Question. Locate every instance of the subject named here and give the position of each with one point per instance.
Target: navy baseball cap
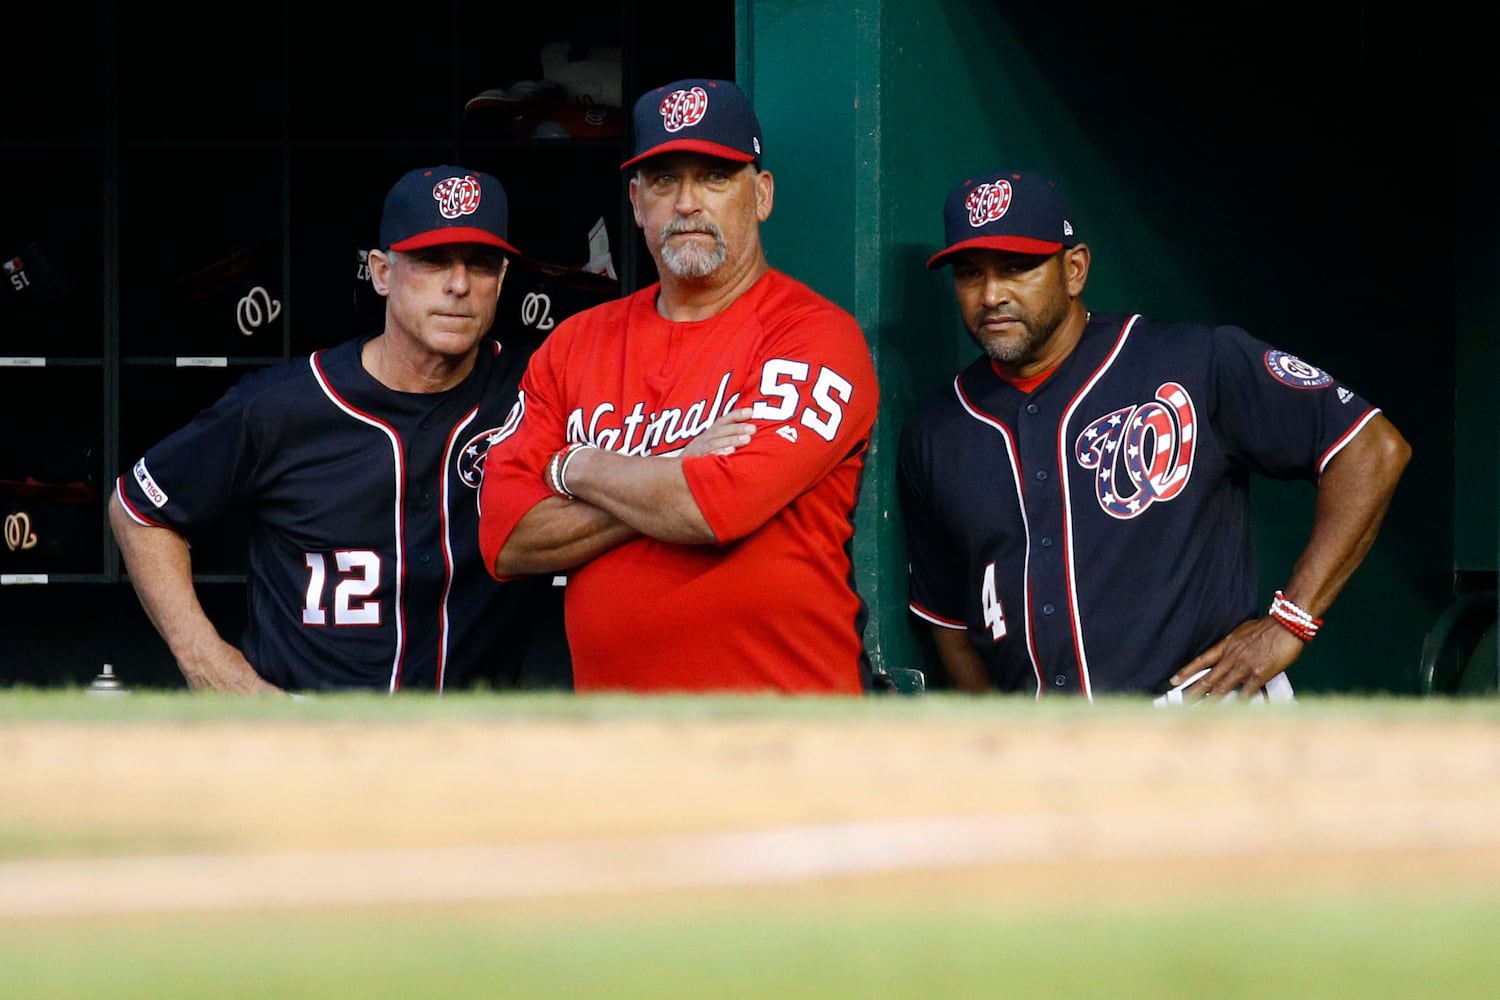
(1006, 210)
(713, 117)
(430, 206)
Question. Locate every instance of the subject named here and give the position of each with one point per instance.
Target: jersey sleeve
(814, 397)
(934, 559)
(1283, 416)
(194, 476)
(535, 428)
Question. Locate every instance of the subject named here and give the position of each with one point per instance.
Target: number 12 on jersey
(360, 576)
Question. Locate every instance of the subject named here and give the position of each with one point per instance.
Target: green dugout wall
(1285, 172)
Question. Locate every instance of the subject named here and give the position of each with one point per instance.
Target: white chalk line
(97, 886)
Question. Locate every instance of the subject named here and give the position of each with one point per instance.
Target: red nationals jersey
(772, 605)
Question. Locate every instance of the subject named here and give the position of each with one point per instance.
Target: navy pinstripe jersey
(1094, 535)
(363, 553)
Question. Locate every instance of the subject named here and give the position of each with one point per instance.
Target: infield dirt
(103, 817)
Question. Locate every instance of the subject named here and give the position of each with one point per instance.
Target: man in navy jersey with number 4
(1076, 502)
(360, 469)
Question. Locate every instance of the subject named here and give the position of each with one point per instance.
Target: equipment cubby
(183, 221)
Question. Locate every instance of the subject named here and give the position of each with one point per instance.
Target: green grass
(53, 705)
(1356, 948)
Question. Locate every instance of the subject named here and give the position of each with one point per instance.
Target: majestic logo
(18, 534)
(683, 109)
(456, 196)
(988, 202)
(1288, 369)
(154, 493)
(1152, 443)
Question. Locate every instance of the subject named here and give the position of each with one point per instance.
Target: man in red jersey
(691, 455)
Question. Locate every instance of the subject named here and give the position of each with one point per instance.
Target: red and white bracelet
(557, 468)
(1295, 620)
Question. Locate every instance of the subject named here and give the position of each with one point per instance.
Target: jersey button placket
(1037, 443)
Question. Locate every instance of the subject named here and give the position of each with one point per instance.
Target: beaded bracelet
(557, 466)
(1294, 619)
(562, 466)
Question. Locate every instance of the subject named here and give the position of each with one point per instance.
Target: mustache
(679, 226)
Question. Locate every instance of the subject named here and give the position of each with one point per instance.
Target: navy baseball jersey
(363, 552)
(1094, 535)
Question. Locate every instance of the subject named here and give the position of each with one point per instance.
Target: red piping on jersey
(1338, 445)
(444, 481)
(1015, 468)
(399, 661)
(1062, 469)
(130, 508)
(935, 619)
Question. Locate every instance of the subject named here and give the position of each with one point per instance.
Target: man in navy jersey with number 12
(1077, 501)
(359, 468)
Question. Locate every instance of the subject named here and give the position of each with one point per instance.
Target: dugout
(1316, 177)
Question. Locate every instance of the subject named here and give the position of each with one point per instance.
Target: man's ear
(379, 262)
(1076, 268)
(635, 201)
(765, 194)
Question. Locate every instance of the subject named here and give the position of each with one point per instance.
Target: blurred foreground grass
(820, 948)
(21, 705)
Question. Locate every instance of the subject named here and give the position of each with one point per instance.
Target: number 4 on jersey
(994, 614)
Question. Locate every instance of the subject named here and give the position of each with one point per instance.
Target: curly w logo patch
(1140, 454)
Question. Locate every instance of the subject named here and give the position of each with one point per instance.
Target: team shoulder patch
(153, 492)
(1290, 370)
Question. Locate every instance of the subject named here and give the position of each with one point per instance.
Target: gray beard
(691, 261)
(1040, 329)
(1014, 352)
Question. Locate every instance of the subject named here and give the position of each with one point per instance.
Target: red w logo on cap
(682, 108)
(456, 196)
(987, 202)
